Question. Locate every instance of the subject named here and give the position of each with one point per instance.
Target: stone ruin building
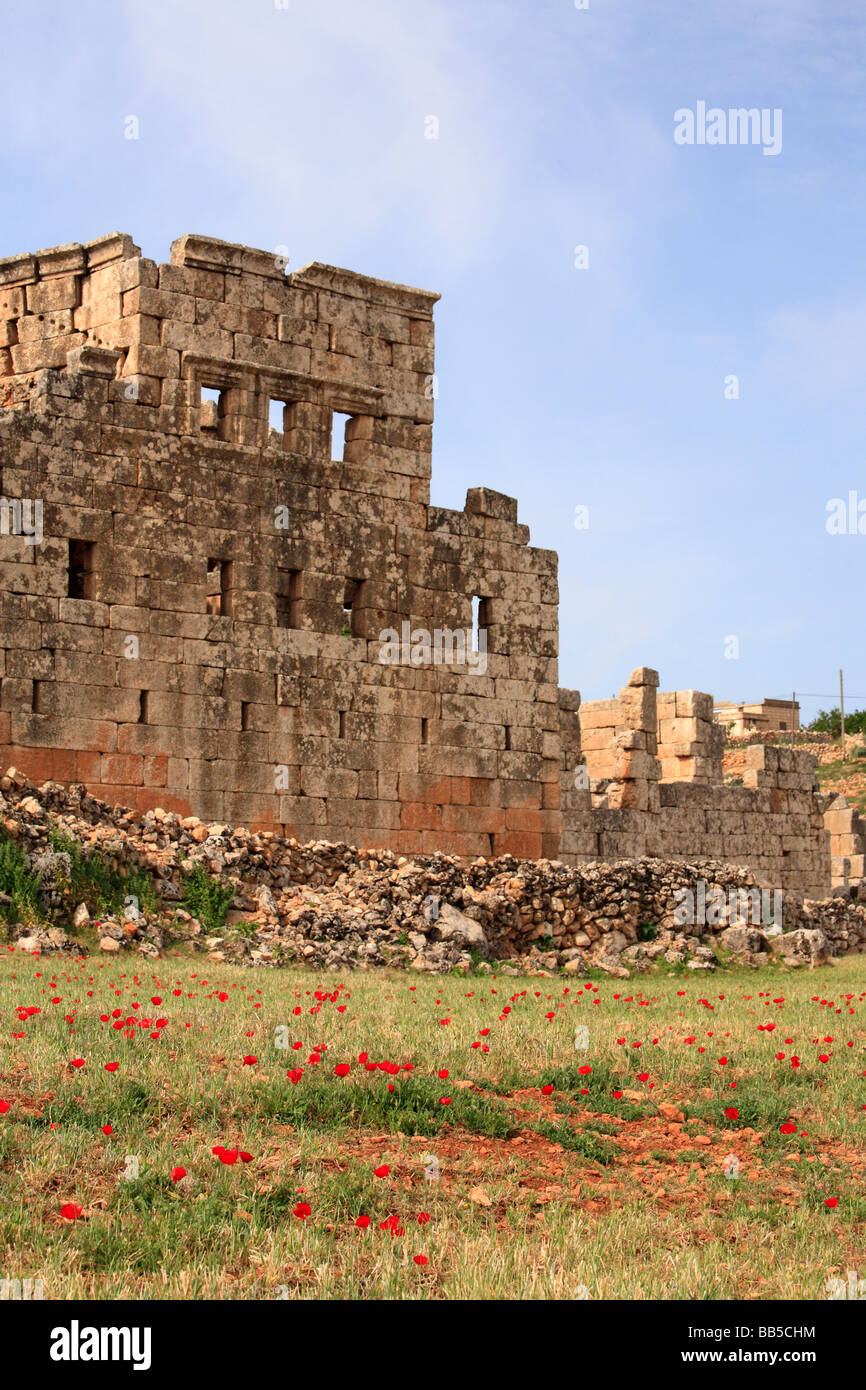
(192, 601)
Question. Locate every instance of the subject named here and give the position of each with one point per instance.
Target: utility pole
(842, 711)
(793, 715)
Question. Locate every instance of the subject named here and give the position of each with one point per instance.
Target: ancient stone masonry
(224, 591)
(200, 626)
(333, 906)
(615, 802)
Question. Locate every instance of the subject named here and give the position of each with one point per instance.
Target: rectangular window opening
(211, 400)
(288, 597)
(480, 622)
(342, 732)
(508, 738)
(219, 588)
(82, 556)
(245, 716)
(425, 730)
(36, 703)
(351, 604)
(338, 436)
(277, 422)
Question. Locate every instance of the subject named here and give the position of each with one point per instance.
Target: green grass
(536, 1193)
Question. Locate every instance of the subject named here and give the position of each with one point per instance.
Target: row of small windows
(220, 586)
(214, 410)
(219, 600)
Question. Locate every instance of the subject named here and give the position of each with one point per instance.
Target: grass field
(602, 1139)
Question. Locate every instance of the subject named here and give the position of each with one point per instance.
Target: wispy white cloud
(320, 109)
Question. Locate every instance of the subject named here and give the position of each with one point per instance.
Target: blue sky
(601, 387)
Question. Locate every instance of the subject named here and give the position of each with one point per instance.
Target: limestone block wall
(773, 824)
(200, 625)
(847, 832)
(690, 744)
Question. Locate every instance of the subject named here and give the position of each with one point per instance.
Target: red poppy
(831, 1201)
(342, 1069)
(106, 1129)
(382, 1171)
(302, 1210)
(4, 1106)
(177, 1174)
(251, 1061)
(362, 1222)
(111, 1066)
(547, 1090)
(420, 1259)
(71, 1212)
(731, 1113)
(77, 1062)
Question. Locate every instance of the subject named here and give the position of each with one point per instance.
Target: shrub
(206, 898)
(98, 884)
(20, 883)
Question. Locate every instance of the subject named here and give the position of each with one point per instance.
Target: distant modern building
(765, 717)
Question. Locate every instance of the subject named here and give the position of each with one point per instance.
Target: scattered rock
(335, 907)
